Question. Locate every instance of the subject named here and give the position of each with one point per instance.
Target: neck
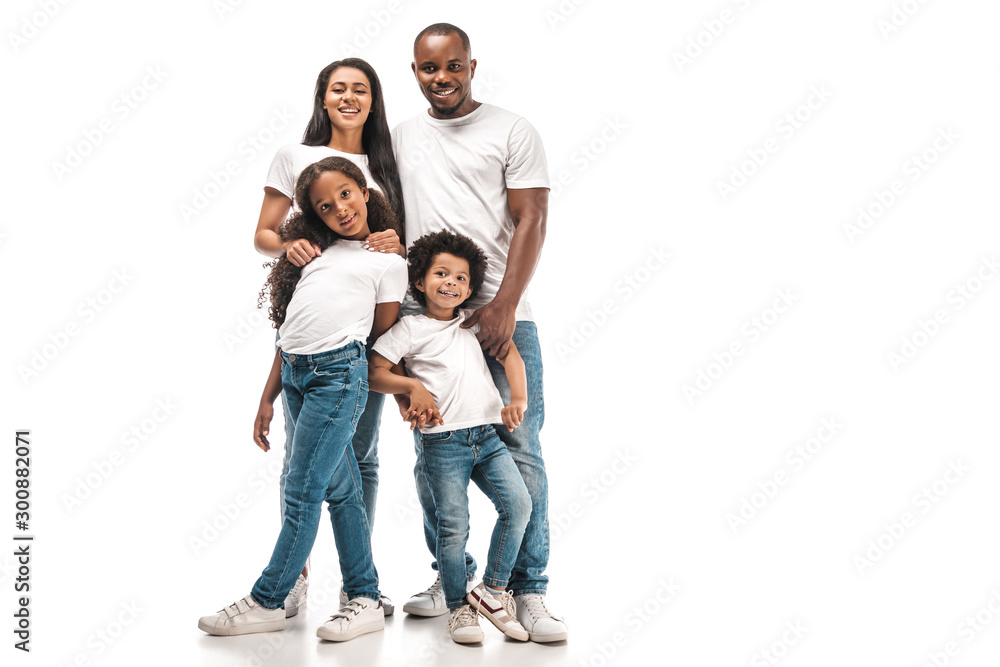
(442, 314)
(346, 141)
(468, 107)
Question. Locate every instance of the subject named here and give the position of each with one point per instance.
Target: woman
(348, 120)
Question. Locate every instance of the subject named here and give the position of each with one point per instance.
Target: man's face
(444, 72)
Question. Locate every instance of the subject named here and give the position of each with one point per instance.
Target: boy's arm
(420, 410)
(265, 411)
(513, 366)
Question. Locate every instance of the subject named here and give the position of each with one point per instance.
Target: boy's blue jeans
(449, 459)
(528, 574)
(326, 394)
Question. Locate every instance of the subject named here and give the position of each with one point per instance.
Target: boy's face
(446, 283)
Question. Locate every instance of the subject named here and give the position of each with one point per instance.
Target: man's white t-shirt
(455, 174)
(291, 160)
(448, 361)
(334, 300)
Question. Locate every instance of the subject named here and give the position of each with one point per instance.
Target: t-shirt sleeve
(392, 285)
(526, 163)
(395, 343)
(466, 314)
(281, 174)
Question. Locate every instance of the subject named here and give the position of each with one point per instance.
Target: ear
(419, 284)
(413, 66)
(472, 69)
(364, 192)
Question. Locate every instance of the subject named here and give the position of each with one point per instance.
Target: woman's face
(341, 203)
(348, 98)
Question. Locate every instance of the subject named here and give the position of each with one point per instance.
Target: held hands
(513, 414)
(387, 241)
(300, 251)
(262, 425)
(496, 327)
(421, 411)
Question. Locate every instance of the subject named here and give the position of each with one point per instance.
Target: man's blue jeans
(326, 394)
(528, 574)
(448, 461)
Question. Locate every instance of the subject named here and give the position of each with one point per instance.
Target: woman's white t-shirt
(291, 160)
(334, 300)
(448, 361)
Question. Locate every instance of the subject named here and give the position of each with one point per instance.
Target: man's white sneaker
(542, 625)
(296, 597)
(243, 617)
(464, 625)
(387, 605)
(359, 616)
(498, 608)
(431, 602)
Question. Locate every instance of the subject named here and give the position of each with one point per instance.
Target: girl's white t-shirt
(334, 300)
(448, 361)
(291, 160)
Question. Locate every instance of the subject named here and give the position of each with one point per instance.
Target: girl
(324, 379)
(348, 121)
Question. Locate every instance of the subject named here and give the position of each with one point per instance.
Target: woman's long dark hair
(305, 224)
(376, 140)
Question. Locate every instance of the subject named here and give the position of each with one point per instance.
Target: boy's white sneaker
(296, 597)
(542, 625)
(499, 609)
(387, 606)
(243, 617)
(358, 617)
(464, 625)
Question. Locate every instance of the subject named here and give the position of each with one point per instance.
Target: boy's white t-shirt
(334, 300)
(455, 174)
(291, 160)
(448, 361)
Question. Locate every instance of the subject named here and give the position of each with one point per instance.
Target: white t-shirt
(448, 361)
(455, 174)
(291, 160)
(334, 300)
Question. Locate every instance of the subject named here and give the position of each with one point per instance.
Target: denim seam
(503, 530)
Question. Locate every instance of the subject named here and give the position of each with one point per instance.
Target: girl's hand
(513, 414)
(387, 241)
(262, 425)
(422, 412)
(300, 251)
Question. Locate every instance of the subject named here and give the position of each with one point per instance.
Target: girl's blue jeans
(325, 394)
(449, 459)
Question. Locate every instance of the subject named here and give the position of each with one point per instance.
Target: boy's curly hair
(305, 224)
(421, 255)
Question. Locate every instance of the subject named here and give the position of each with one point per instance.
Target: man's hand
(300, 251)
(496, 327)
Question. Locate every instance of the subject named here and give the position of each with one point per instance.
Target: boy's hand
(262, 425)
(513, 414)
(300, 251)
(387, 241)
(421, 411)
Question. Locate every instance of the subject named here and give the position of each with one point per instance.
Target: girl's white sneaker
(464, 625)
(359, 616)
(243, 617)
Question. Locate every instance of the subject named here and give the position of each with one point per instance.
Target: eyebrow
(343, 83)
(442, 266)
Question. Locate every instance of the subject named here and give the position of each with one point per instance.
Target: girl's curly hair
(305, 224)
(423, 251)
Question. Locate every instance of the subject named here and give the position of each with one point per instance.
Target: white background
(646, 481)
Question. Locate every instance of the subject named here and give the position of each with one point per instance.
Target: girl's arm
(266, 239)
(513, 366)
(421, 406)
(262, 423)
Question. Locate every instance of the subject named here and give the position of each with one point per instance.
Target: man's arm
(529, 209)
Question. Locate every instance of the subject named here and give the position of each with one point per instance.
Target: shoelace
(507, 600)
(466, 616)
(435, 588)
(535, 605)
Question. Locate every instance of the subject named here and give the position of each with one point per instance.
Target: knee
(518, 508)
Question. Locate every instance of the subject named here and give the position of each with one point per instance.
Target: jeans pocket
(330, 369)
(359, 407)
(436, 438)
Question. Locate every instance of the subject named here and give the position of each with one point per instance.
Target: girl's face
(348, 98)
(341, 204)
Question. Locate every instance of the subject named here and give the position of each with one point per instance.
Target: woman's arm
(513, 414)
(266, 240)
(265, 411)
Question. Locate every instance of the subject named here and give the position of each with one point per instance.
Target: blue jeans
(326, 394)
(523, 444)
(449, 460)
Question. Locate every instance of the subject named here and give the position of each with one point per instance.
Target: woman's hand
(387, 241)
(300, 251)
(262, 425)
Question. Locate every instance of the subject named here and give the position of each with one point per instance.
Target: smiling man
(478, 170)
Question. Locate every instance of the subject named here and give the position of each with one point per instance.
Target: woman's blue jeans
(325, 394)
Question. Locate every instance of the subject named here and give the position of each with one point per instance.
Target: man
(478, 170)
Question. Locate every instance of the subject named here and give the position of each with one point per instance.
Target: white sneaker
(464, 625)
(387, 605)
(499, 609)
(243, 617)
(296, 597)
(358, 617)
(542, 625)
(431, 602)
